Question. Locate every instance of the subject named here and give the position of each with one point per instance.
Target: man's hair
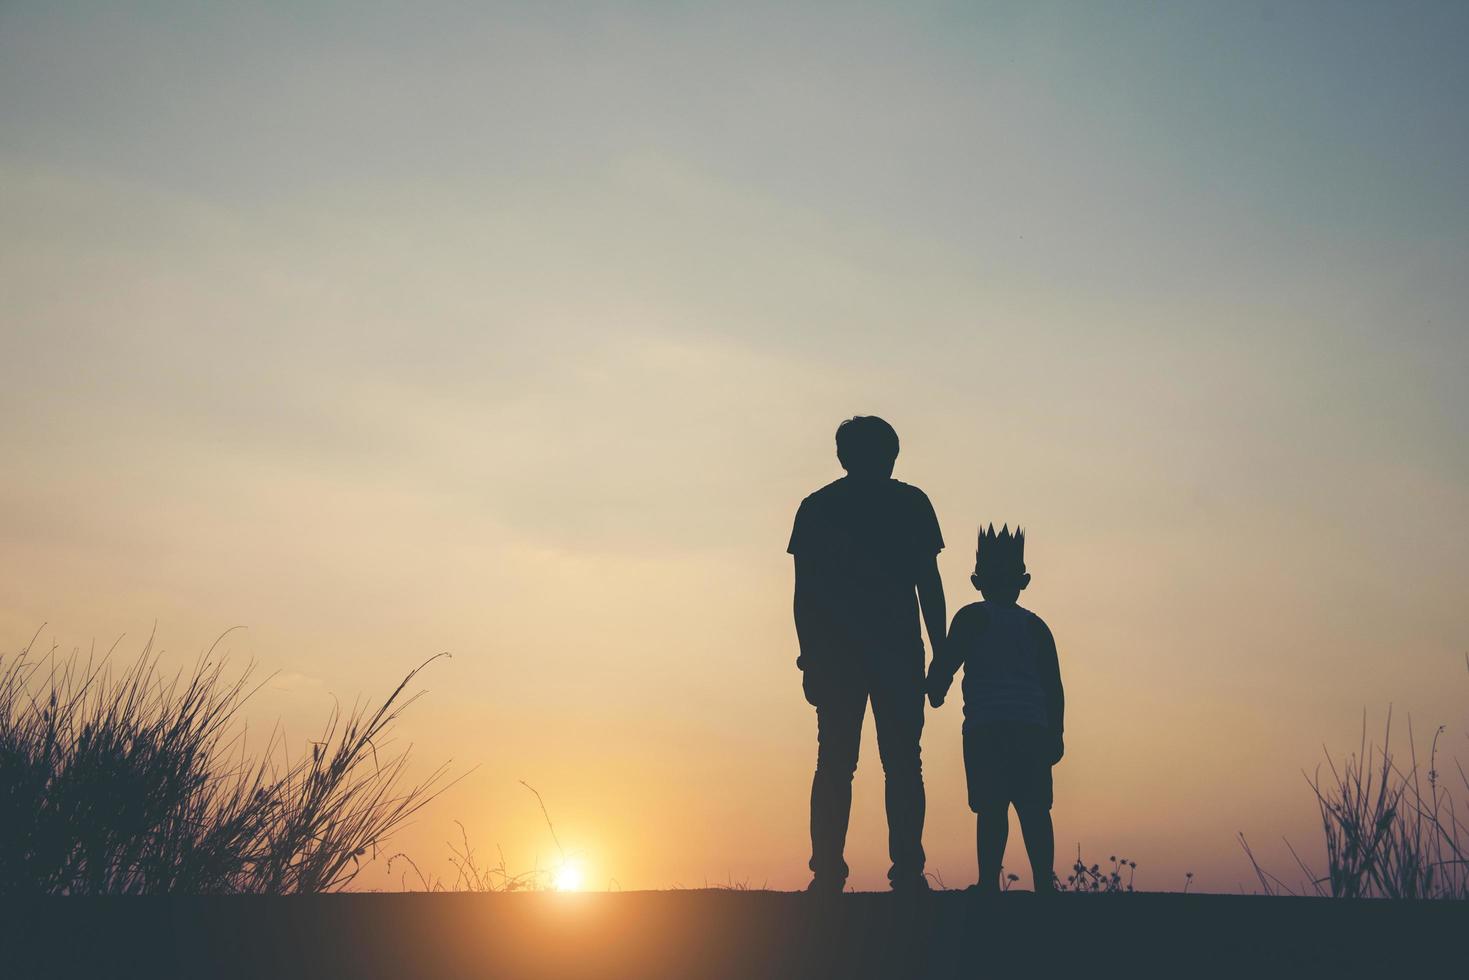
(866, 444)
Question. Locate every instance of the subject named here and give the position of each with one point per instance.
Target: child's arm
(950, 657)
(1050, 670)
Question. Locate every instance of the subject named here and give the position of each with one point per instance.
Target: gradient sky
(519, 332)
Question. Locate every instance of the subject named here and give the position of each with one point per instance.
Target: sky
(519, 332)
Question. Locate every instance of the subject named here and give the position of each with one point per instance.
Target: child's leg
(991, 831)
(1040, 845)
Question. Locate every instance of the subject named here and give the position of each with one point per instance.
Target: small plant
(1095, 879)
(470, 875)
(731, 885)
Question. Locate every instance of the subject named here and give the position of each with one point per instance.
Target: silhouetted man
(866, 549)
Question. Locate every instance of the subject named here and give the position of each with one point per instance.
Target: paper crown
(1002, 553)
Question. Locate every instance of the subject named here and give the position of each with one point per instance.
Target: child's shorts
(1005, 763)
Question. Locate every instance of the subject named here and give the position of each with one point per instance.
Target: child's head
(999, 565)
(867, 446)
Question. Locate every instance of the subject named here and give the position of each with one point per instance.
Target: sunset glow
(569, 877)
(521, 331)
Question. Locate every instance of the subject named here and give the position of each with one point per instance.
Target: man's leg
(838, 739)
(898, 710)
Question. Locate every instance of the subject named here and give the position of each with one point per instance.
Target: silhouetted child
(1013, 709)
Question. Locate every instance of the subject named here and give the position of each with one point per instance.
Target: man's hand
(1057, 749)
(936, 645)
(937, 685)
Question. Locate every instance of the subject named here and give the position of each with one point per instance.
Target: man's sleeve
(800, 531)
(927, 537)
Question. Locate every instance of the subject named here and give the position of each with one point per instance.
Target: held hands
(937, 686)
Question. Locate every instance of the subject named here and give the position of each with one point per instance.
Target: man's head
(999, 565)
(867, 446)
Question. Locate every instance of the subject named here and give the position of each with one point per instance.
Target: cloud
(296, 682)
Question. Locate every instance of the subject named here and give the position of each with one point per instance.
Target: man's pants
(897, 707)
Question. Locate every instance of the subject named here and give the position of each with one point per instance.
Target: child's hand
(938, 687)
(1058, 748)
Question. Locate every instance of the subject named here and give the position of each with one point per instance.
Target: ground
(724, 934)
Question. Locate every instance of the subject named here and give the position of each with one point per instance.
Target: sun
(568, 877)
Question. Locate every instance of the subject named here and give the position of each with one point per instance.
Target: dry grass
(474, 874)
(139, 783)
(1388, 831)
(471, 872)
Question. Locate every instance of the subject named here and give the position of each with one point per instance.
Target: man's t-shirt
(860, 545)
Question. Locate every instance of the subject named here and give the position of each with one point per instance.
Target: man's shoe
(826, 886)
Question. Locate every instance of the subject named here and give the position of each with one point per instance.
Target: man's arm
(945, 665)
(935, 614)
(928, 541)
(805, 613)
(931, 600)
